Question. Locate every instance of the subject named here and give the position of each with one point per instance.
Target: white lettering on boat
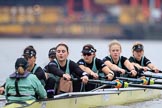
(106, 97)
(43, 104)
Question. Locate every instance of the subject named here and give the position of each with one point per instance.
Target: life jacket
(119, 65)
(17, 77)
(33, 72)
(63, 85)
(142, 60)
(119, 62)
(94, 69)
(34, 69)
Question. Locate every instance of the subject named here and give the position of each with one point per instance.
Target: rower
(65, 69)
(30, 55)
(139, 60)
(93, 66)
(22, 85)
(50, 82)
(122, 62)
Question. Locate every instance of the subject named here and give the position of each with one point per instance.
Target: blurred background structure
(111, 19)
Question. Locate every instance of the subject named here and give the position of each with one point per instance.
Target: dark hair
(29, 51)
(52, 53)
(63, 44)
(21, 65)
(88, 48)
(137, 47)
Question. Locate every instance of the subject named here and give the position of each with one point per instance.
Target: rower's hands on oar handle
(155, 69)
(144, 68)
(67, 77)
(95, 75)
(110, 75)
(84, 79)
(133, 72)
(122, 71)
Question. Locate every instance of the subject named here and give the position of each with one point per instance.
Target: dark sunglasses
(88, 54)
(27, 57)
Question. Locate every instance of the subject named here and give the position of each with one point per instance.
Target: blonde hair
(137, 43)
(20, 70)
(114, 42)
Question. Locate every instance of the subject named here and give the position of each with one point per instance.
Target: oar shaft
(152, 76)
(151, 70)
(136, 80)
(129, 84)
(2, 98)
(154, 71)
(157, 82)
(130, 79)
(102, 82)
(145, 86)
(100, 87)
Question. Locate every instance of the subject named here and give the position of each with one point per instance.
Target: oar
(100, 87)
(139, 80)
(116, 83)
(2, 98)
(130, 79)
(102, 82)
(152, 76)
(151, 70)
(145, 86)
(129, 84)
(147, 75)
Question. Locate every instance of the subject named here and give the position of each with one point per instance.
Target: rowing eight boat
(99, 98)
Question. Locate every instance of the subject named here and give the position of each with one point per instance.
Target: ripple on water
(155, 103)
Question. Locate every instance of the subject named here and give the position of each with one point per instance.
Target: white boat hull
(100, 98)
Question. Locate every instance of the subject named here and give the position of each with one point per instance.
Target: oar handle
(129, 73)
(154, 71)
(74, 79)
(130, 79)
(151, 70)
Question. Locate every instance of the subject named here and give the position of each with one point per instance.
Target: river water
(11, 49)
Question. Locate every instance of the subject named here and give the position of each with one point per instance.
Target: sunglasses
(88, 54)
(27, 57)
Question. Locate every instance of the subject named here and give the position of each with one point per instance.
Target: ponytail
(20, 70)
